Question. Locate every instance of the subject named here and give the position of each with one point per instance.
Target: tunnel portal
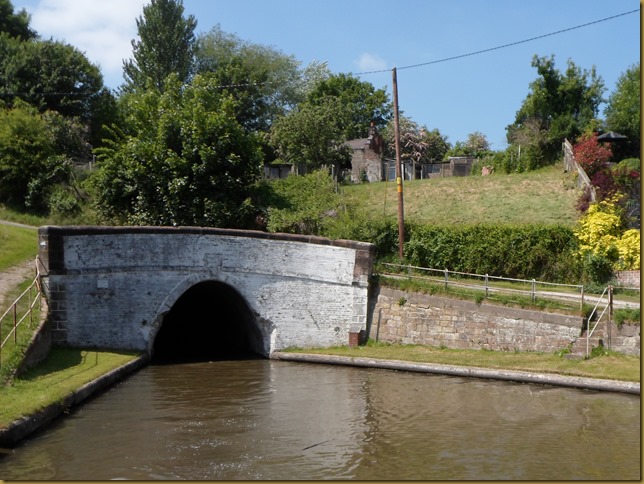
(210, 321)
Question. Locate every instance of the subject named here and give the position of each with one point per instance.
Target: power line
(412, 66)
(500, 46)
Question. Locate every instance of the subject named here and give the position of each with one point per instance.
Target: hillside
(546, 196)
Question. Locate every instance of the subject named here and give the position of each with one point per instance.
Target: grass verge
(12, 352)
(17, 244)
(609, 365)
(64, 371)
(545, 196)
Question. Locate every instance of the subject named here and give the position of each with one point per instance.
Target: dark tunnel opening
(210, 321)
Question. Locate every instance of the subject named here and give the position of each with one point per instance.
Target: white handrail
(28, 312)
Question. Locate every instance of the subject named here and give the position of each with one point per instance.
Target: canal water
(263, 419)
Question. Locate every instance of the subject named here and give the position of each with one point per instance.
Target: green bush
(522, 252)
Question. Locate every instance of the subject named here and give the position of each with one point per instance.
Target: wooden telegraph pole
(399, 172)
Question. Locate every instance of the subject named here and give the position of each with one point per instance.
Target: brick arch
(209, 320)
(110, 287)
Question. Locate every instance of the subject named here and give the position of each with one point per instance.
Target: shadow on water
(209, 322)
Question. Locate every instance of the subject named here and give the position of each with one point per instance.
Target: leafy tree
(312, 136)
(31, 162)
(623, 112)
(166, 46)
(49, 75)
(15, 24)
(559, 105)
(182, 159)
(476, 145)
(264, 81)
(362, 102)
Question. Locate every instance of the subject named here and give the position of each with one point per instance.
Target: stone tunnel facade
(111, 287)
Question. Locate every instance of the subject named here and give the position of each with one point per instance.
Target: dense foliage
(559, 105)
(604, 244)
(166, 46)
(362, 102)
(265, 82)
(182, 160)
(623, 112)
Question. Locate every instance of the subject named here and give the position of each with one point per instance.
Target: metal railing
(19, 317)
(608, 292)
(484, 282)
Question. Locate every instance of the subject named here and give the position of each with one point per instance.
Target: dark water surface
(262, 419)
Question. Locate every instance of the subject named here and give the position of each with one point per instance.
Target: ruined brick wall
(109, 287)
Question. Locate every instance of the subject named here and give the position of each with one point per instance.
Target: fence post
(446, 277)
(486, 280)
(534, 290)
(609, 324)
(409, 270)
(15, 318)
(581, 309)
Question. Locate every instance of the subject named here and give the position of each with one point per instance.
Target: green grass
(612, 366)
(541, 303)
(14, 349)
(17, 244)
(546, 196)
(64, 371)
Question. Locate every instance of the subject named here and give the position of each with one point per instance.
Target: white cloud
(103, 30)
(370, 62)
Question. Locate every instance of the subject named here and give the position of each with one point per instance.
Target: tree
(312, 135)
(623, 112)
(15, 24)
(49, 75)
(264, 81)
(362, 102)
(166, 46)
(181, 159)
(558, 106)
(32, 159)
(416, 142)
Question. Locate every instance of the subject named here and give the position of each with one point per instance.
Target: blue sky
(476, 93)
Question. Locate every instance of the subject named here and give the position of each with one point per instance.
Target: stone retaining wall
(414, 318)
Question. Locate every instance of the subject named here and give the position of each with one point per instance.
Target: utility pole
(399, 172)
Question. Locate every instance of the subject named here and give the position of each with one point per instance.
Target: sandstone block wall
(412, 318)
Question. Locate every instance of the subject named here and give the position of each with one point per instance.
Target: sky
(480, 92)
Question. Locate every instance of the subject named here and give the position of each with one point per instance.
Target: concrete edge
(27, 425)
(469, 372)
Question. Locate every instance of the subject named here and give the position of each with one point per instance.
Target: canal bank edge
(468, 372)
(28, 425)
(24, 427)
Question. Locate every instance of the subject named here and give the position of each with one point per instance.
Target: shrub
(523, 252)
(592, 155)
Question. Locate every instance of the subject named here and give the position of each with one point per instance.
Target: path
(13, 276)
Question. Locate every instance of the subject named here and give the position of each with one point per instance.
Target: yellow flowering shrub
(599, 229)
(600, 234)
(629, 250)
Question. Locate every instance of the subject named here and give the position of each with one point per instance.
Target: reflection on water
(262, 419)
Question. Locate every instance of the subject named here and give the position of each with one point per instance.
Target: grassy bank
(17, 244)
(610, 366)
(64, 371)
(546, 196)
